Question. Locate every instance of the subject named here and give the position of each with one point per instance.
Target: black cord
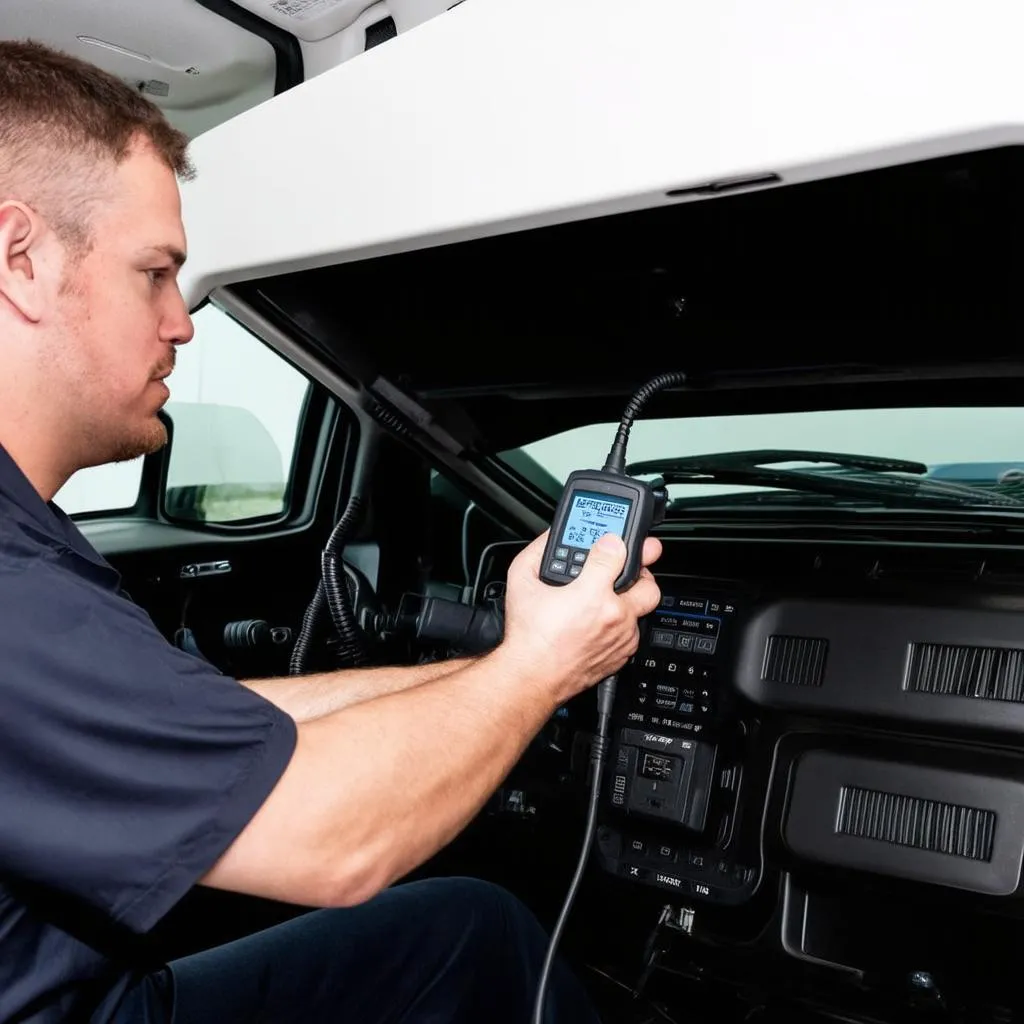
(351, 640)
(332, 598)
(616, 461)
(598, 756)
(310, 621)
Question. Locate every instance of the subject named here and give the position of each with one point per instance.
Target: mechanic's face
(120, 315)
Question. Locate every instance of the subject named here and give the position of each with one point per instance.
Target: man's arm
(306, 698)
(375, 789)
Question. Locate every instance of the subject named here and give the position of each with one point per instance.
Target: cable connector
(605, 703)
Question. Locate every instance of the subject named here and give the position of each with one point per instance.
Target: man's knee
(482, 913)
(486, 902)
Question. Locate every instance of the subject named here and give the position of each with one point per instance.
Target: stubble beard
(143, 443)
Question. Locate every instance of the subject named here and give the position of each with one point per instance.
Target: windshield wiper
(753, 468)
(770, 456)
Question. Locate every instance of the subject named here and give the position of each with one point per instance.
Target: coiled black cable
(332, 597)
(351, 642)
(300, 652)
(616, 461)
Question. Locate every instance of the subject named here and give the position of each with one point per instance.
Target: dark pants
(440, 951)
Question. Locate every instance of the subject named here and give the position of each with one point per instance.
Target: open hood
(514, 206)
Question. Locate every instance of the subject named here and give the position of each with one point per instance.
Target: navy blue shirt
(127, 767)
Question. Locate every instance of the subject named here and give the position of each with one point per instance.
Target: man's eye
(156, 276)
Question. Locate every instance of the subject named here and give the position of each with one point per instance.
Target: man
(130, 771)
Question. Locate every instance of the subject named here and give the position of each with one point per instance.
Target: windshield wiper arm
(753, 469)
(770, 456)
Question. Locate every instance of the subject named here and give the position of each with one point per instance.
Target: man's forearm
(421, 764)
(308, 697)
(375, 789)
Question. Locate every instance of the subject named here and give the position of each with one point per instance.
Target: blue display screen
(592, 515)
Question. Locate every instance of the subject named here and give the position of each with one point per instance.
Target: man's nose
(187, 332)
(178, 327)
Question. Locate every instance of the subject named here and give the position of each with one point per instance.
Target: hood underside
(899, 285)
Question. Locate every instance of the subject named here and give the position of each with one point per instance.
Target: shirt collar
(47, 517)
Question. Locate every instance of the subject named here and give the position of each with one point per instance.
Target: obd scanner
(593, 504)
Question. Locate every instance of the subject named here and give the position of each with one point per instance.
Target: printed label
(302, 9)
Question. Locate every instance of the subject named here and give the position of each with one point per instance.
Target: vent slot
(795, 660)
(950, 829)
(984, 673)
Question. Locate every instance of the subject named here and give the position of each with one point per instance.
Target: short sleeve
(127, 767)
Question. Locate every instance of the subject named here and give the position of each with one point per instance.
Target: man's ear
(21, 231)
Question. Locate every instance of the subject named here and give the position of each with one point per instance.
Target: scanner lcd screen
(591, 515)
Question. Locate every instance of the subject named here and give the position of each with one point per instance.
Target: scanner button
(575, 570)
(684, 642)
(662, 638)
(558, 565)
(579, 557)
(562, 553)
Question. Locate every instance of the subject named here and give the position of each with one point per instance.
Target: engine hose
(298, 662)
(352, 643)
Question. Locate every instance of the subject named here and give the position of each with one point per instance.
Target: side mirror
(224, 466)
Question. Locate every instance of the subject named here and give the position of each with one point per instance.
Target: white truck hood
(506, 114)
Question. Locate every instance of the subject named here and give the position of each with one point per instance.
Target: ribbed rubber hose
(351, 641)
(300, 652)
(332, 597)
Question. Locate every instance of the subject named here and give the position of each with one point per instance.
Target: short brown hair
(63, 121)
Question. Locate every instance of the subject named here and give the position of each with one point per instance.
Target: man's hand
(581, 632)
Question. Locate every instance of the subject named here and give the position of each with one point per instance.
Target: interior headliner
(211, 68)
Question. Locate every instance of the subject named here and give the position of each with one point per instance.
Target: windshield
(981, 448)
